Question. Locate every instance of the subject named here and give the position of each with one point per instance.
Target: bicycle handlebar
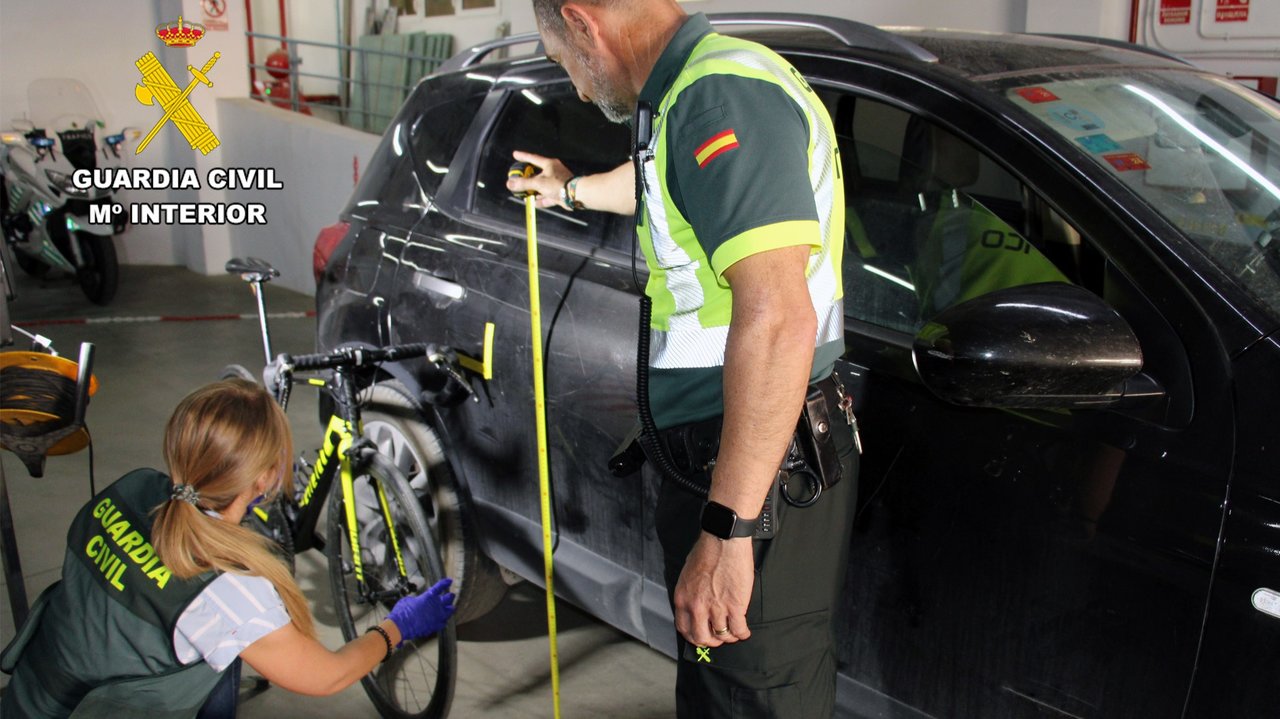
(358, 356)
(446, 384)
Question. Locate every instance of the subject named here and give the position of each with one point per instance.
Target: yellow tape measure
(540, 419)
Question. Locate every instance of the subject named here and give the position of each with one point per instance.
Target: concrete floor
(145, 366)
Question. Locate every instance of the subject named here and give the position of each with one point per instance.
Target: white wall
(99, 48)
(316, 161)
(477, 26)
(1103, 18)
(1246, 48)
(315, 20)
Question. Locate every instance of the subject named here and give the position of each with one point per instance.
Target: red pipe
(284, 31)
(253, 71)
(1134, 9)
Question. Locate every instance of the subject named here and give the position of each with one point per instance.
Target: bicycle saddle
(251, 268)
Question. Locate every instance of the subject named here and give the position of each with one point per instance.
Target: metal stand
(9, 554)
(32, 451)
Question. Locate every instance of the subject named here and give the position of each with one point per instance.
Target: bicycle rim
(418, 679)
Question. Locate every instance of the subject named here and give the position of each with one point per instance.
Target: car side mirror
(1049, 345)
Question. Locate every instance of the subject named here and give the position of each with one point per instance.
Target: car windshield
(1201, 150)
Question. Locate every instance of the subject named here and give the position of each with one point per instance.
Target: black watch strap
(722, 522)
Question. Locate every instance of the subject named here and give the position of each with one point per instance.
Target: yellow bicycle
(378, 542)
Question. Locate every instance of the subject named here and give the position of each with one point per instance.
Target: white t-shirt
(234, 611)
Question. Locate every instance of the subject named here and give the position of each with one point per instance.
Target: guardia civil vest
(743, 160)
(99, 643)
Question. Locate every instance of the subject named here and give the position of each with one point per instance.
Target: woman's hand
(421, 615)
(291, 659)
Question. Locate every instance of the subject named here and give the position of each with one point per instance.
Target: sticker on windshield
(1126, 161)
(1077, 118)
(1037, 95)
(1098, 143)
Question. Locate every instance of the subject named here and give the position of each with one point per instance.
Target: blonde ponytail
(224, 439)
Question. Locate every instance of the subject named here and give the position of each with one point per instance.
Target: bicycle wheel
(237, 371)
(404, 438)
(418, 679)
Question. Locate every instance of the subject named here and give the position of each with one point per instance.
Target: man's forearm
(767, 364)
(612, 191)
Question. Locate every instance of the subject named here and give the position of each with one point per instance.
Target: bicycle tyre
(402, 435)
(237, 371)
(417, 680)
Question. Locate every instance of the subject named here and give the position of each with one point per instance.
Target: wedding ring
(720, 632)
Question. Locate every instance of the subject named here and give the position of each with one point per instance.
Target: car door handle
(1267, 601)
(445, 291)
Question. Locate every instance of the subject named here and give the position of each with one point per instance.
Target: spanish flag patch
(715, 147)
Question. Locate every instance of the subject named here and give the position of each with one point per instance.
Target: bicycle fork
(359, 455)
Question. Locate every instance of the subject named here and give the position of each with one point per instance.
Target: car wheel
(393, 423)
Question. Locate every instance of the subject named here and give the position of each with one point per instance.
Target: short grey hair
(549, 17)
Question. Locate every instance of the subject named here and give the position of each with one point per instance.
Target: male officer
(741, 224)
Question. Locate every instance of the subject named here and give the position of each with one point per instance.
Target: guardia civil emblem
(158, 88)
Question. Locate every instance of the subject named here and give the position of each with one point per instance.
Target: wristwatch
(720, 521)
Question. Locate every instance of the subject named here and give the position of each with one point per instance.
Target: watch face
(718, 520)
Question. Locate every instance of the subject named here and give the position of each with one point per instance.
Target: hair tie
(185, 493)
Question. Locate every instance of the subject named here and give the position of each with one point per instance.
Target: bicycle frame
(339, 457)
(345, 451)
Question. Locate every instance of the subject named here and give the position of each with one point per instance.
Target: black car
(1062, 300)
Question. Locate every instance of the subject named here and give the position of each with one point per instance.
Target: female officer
(162, 589)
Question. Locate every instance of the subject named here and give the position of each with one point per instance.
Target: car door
(1009, 563)
(588, 313)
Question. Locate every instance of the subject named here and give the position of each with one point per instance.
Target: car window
(1200, 150)
(932, 221)
(551, 120)
(415, 153)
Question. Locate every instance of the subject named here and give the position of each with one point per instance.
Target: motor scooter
(48, 221)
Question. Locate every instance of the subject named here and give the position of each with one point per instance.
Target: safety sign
(1175, 12)
(214, 14)
(1232, 11)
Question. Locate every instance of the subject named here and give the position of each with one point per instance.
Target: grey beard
(614, 110)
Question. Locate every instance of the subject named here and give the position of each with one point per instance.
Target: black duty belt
(692, 447)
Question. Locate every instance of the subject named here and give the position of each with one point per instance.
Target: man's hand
(612, 191)
(547, 184)
(714, 590)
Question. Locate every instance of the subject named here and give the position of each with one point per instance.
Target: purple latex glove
(421, 615)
